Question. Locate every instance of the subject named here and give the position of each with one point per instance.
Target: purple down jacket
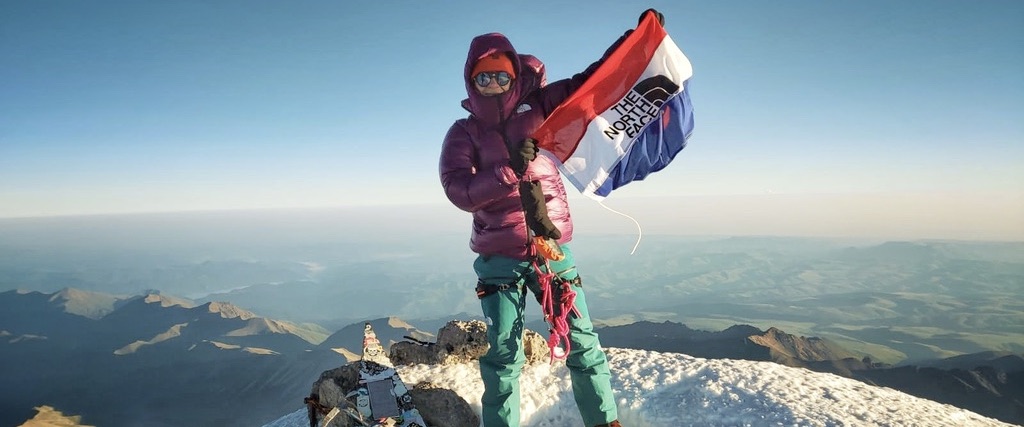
(474, 165)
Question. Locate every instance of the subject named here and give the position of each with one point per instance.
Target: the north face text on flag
(630, 118)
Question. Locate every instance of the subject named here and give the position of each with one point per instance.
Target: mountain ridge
(241, 350)
(155, 348)
(995, 389)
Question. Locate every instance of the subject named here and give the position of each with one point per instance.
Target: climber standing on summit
(485, 161)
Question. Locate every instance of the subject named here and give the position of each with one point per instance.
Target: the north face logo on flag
(640, 106)
(629, 119)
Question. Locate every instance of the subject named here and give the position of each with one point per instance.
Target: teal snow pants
(500, 367)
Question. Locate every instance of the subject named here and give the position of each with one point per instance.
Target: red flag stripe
(564, 128)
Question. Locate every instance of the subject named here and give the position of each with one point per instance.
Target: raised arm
(555, 93)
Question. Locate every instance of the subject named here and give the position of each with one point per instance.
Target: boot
(611, 424)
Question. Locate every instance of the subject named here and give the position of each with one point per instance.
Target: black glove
(661, 18)
(536, 209)
(519, 157)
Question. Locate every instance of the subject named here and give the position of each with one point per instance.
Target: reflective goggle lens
(500, 77)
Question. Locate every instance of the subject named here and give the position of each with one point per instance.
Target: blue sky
(126, 106)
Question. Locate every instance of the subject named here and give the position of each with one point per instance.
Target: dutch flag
(629, 119)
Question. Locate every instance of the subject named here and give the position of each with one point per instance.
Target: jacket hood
(529, 75)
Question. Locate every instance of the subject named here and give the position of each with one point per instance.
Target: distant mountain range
(990, 383)
(899, 301)
(120, 360)
(737, 342)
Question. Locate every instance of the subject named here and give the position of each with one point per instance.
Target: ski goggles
(501, 77)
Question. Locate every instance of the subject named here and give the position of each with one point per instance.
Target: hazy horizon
(885, 216)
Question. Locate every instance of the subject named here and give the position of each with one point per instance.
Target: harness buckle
(484, 290)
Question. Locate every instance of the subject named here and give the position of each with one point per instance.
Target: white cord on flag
(640, 231)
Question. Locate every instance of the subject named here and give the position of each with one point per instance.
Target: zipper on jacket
(503, 131)
(502, 121)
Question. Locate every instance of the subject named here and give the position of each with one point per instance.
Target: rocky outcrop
(457, 342)
(443, 407)
(462, 342)
(50, 417)
(412, 353)
(438, 406)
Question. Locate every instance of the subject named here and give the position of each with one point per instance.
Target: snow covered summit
(669, 389)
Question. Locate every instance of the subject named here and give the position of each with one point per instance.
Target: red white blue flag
(629, 119)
